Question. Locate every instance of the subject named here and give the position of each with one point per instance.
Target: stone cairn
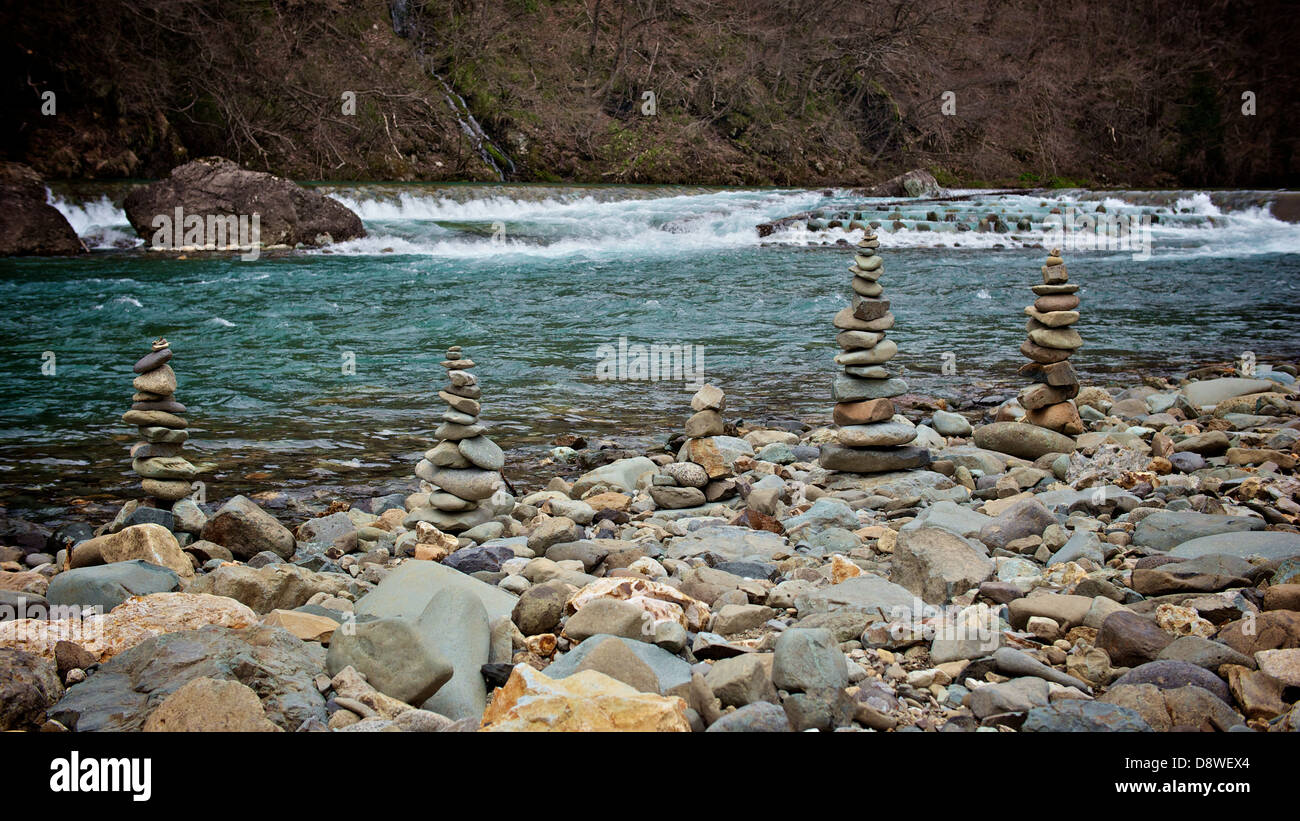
(464, 468)
(871, 437)
(700, 473)
(1050, 343)
(165, 474)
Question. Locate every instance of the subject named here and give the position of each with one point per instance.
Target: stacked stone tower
(871, 437)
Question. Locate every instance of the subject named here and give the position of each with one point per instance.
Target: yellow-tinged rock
(1183, 621)
(148, 542)
(306, 626)
(391, 519)
(24, 581)
(427, 534)
(431, 552)
(583, 702)
(542, 644)
(842, 568)
(609, 500)
(208, 705)
(887, 541)
(348, 683)
(995, 507)
(705, 453)
(690, 613)
(131, 622)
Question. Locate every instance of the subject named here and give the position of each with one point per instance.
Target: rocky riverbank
(1142, 575)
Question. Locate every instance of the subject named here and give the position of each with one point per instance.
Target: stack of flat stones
(871, 437)
(464, 468)
(165, 475)
(1051, 341)
(685, 483)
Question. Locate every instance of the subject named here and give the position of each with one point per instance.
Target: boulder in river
(215, 189)
(914, 183)
(31, 226)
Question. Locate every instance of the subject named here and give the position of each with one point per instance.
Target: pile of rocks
(872, 437)
(1050, 343)
(464, 468)
(1142, 575)
(686, 482)
(165, 474)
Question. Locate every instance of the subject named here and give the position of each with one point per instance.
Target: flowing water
(534, 280)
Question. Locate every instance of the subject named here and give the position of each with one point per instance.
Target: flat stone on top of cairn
(871, 437)
(464, 468)
(1051, 341)
(165, 475)
(700, 473)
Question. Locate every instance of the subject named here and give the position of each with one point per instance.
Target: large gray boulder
(866, 593)
(936, 565)
(108, 585)
(1022, 439)
(915, 183)
(1213, 391)
(274, 663)
(457, 627)
(1166, 529)
(670, 670)
(245, 530)
(396, 657)
(216, 187)
(952, 517)
(733, 544)
(407, 590)
(1270, 544)
(808, 659)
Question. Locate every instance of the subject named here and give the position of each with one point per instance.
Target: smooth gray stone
(108, 585)
(457, 625)
(474, 484)
(407, 590)
(1271, 544)
(671, 670)
(1166, 529)
(1082, 544)
(808, 659)
(730, 542)
(483, 452)
(396, 658)
(952, 517)
(865, 593)
(760, 717)
(1014, 662)
(850, 389)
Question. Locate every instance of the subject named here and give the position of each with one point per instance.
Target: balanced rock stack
(464, 468)
(165, 474)
(871, 437)
(1051, 341)
(686, 482)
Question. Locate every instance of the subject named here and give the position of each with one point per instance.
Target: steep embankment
(802, 92)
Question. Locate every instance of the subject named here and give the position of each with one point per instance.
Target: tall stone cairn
(464, 468)
(165, 475)
(872, 437)
(1052, 340)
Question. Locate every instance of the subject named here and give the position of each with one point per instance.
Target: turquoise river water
(532, 281)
